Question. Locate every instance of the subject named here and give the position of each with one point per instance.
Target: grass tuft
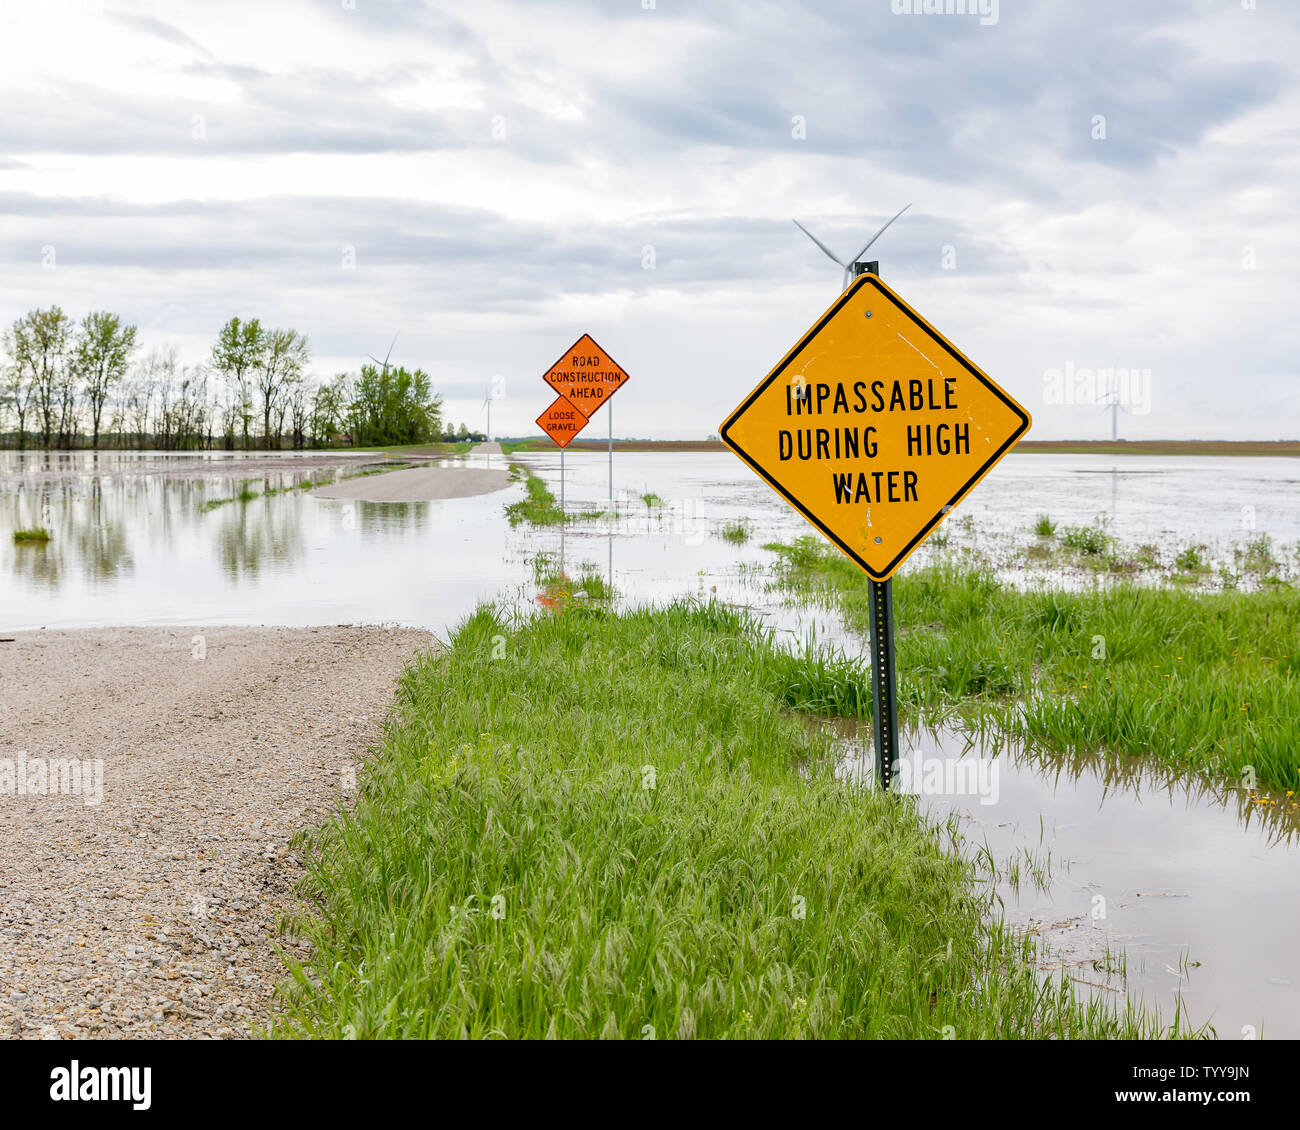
(737, 532)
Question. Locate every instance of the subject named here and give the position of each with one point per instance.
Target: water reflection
(1195, 881)
(254, 535)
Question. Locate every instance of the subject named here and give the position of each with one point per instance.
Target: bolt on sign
(587, 375)
(562, 421)
(874, 426)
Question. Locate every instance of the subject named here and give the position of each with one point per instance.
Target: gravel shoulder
(419, 484)
(154, 912)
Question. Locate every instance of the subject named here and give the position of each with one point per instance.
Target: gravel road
(419, 484)
(152, 913)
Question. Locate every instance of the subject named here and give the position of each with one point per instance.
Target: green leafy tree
(281, 364)
(16, 395)
(38, 343)
(237, 355)
(394, 406)
(329, 410)
(101, 357)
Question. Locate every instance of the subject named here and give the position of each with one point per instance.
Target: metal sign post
(884, 683)
(561, 422)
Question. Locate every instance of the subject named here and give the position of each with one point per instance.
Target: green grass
(539, 507)
(1206, 681)
(1090, 541)
(612, 825)
(651, 500)
(736, 532)
(558, 587)
(1192, 560)
(246, 494)
(37, 535)
(1044, 527)
(1257, 556)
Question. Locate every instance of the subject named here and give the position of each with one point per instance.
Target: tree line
(68, 384)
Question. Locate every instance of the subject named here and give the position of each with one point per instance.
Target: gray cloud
(987, 129)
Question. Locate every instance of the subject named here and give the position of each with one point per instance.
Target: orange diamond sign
(587, 375)
(874, 426)
(561, 421)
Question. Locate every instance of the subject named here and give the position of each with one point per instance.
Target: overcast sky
(1101, 185)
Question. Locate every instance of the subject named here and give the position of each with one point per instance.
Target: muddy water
(1183, 893)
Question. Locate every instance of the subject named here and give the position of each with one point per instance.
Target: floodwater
(1199, 886)
(1181, 892)
(139, 548)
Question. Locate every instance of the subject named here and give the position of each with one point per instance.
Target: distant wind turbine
(1111, 400)
(848, 267)
(384, 363)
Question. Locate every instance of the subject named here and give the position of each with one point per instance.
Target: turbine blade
(881, 232)
(390, 350)
(819, 243)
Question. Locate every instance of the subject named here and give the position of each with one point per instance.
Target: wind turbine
(384, 363)
(1111, 400)
(496, 391)
(848, 267)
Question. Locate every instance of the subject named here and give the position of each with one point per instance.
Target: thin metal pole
(609, 411)
(563, 521)
(884, 681)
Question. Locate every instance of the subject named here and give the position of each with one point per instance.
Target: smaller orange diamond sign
(562, 421)
(587, 375)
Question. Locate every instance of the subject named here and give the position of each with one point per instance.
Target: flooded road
(135, 545)
(1199, 886)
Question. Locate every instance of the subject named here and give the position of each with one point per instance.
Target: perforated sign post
(561, 422)
(589, 376)
(874, 427)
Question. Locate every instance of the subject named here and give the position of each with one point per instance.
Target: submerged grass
(559, 588)
(736, 532)
(539, 507)
(594, 824)
(37, 535)
(1198, 680)
(246, 494)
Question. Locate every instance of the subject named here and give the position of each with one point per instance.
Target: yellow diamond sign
(874, 426)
